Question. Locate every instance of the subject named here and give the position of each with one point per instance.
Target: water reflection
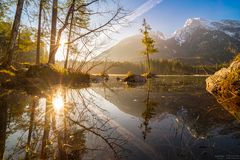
(178, 118)
(3, 124)
(52, 127)
(58, 102)
(163, 119)
(149, 111)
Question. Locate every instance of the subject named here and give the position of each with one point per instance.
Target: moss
(237, 58)
(7, 72)
(230, 86)
(43, 76)
(54, 74)
(149, 75)
(129, 74)
(227, 89)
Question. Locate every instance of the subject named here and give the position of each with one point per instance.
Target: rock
(135, 79)
(232, 105)
(105, 76)
(225, 83)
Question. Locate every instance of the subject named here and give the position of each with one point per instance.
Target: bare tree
(81, 30)
(69, 38)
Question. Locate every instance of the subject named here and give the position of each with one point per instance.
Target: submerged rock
(118, 79)
(225, 83)
(99, 78)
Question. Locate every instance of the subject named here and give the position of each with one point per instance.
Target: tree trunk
(3, 125)
(53, 45)
(148, 62)
(30, 130)
(46, 130)
(10, 51)
(39, 32)
(69, 38)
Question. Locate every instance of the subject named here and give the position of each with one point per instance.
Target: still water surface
(166, 118)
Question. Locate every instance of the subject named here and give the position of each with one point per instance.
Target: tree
(53, 45)
(80, 22)
(148, 42)
(39, 31)
(4, 7)
(69, 37)
(14, 32)
(3, 124)
(4, 37)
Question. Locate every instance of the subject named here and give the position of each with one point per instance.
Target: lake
(171, 117)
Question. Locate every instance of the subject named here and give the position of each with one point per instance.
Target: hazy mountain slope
(199, 41)
(130, 49)
(127, 50)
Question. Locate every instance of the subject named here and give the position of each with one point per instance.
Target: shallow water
(166, 118)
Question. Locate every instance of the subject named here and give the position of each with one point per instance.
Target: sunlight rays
(58, 102)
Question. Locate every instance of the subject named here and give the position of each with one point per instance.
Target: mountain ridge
(199, 41)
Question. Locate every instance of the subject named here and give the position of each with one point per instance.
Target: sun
(58, 102)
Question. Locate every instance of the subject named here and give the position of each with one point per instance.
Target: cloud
(143, 9)
(105, 43)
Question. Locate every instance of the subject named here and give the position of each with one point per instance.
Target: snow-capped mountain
(229, 27)
(199, 41)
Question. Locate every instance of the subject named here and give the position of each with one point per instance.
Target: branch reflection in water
(61, 124)
(166, 118)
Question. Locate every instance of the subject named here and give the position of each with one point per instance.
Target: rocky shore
(225, 86)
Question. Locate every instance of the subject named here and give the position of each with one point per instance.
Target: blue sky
(170, 15)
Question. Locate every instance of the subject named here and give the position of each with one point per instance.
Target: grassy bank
(41, 76)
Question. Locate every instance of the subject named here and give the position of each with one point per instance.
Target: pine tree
(148, 42)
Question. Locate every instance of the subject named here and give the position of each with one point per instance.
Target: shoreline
(160, 75)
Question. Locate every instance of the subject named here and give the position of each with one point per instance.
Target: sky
(173, 13)
(169, 15)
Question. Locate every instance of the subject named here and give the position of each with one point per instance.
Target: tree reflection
(45, 137)
(3, 123)
(46, 127)
(149, 111)
(31, 123)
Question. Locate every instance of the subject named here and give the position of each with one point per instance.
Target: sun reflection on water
(58, 102)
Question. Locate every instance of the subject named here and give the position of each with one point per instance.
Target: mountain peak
(197, 22)
(192, 24)
(229, 27)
